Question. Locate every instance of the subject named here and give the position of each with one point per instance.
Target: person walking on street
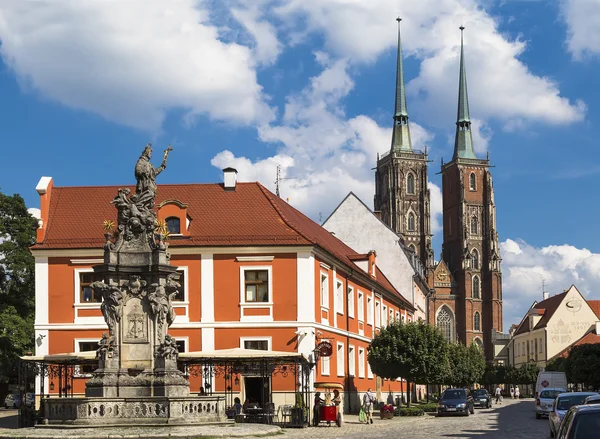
(517, 392)
(498, 395)
(368, 400)
(512, 393)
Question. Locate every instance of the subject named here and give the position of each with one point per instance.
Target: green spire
(401, 135)
(463, 144)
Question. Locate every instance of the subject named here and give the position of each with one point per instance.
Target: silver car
(545, 401)
(562, 404)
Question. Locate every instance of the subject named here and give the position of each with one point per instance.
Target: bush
(411, 411)
(429, 407)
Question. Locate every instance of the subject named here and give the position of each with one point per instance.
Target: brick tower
(401, 192)
(470, 247)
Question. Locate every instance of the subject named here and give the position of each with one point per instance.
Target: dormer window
(173, 225)
(410, 184)
(472, 182)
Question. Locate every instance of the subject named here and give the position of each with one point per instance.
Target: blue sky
(308, 85)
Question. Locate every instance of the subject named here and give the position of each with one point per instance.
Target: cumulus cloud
(500, 85)
(132, 61)
(582, 18)
(559, 266)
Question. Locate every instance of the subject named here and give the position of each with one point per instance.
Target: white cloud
(501, 86)
(559, 266)
(583, 26)
(131, 61)
(435, 210)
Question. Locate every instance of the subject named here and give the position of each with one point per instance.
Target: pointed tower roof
(401, 135)
(463, 144)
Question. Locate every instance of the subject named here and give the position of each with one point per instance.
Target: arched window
(412, 248)
(173, 225)
(478, 342)
(472, 182)
(474, 225)
(477, 322)
(476, 287)
(411, 222)
(410, 183)
(475, 259)
(445, 322)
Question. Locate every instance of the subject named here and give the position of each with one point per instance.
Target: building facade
(466, 302)
(255, 274)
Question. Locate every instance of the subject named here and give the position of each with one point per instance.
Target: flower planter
(386, 415)
(386, 411)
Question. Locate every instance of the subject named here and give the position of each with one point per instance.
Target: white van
(552, 380)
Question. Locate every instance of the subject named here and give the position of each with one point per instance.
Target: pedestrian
(512, 393)
(368, 400)
(517, 392)
(498, 395)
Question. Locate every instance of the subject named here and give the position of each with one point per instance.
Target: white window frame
(324, 290)
(384, 316)
(325, 367)
(350, 293)
(266, 338)
(397, 316)
(77, 305)
(370, 309)
(249, 305)
(361, 306)
(378, 313)
(369, 371)
(541, 345)
(361, 362)
(351, 360)
(76, 341)
(339, 297)
(391, 311)
(340, 359)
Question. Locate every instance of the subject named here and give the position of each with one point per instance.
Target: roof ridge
(285, 219)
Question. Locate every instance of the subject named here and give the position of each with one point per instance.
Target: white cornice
(255, 258)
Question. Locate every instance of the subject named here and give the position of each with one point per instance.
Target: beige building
(551, 326)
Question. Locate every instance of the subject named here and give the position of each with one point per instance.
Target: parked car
(481, 398)
(456, 402)
(580, 422)
(545, 401)
(562, 404)
(550, 380)
(12, 401)
(594, 399)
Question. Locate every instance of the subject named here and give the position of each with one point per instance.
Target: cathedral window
(474, 225)
(411, 222)
(476, 286)
(477, 322)
(475, 259)
(410, 183)
(445, 322)
(472, 182)
(412, 248)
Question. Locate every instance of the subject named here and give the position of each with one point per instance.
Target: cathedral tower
(470, 248)
(401, 192)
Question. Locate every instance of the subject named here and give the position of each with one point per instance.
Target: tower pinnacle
(401, 135)
(463, 144)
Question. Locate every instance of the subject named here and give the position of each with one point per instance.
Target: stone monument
(137, 380)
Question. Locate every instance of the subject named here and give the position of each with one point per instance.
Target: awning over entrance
(242, 354)
(66, 358)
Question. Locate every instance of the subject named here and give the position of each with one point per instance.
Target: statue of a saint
(145, 174)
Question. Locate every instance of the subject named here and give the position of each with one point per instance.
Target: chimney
(372, 262)
(546, 294)
(229, 178)
(44, 189)
(378, 213)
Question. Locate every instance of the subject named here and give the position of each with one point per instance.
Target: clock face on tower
(442, 275)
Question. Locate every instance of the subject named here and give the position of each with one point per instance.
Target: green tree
(557, 364)
(467, 365)
(414, 351)
(527, 373)
(583, 365)
(17, 290)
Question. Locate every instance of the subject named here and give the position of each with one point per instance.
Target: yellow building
(551, 326)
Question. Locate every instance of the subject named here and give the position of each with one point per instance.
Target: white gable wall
(360, 229)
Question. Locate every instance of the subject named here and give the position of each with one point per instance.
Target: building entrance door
(257, 390)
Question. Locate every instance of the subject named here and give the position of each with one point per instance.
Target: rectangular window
(351, 302)
(369, 371)
(361, 307)
(340, 359)
(370, 310)
(384, 316)
(397, 316)
(541, 345)
(86, 346)
(339, 297)
(324, 290)
(86, 293)
(351, 360)
(324, 365)
(403, 318)
(361, 363)
(518, 349)
(377, 314)
(391, 315)
(258, 345)
(256, 285)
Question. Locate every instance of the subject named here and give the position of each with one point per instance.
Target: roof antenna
(278, 179)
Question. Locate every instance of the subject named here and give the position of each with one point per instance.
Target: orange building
(256, 274)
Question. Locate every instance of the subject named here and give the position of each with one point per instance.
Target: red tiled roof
(595, 305)
(248, 215)
(549, 307)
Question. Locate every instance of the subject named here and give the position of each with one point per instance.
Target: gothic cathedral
(466, 302)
